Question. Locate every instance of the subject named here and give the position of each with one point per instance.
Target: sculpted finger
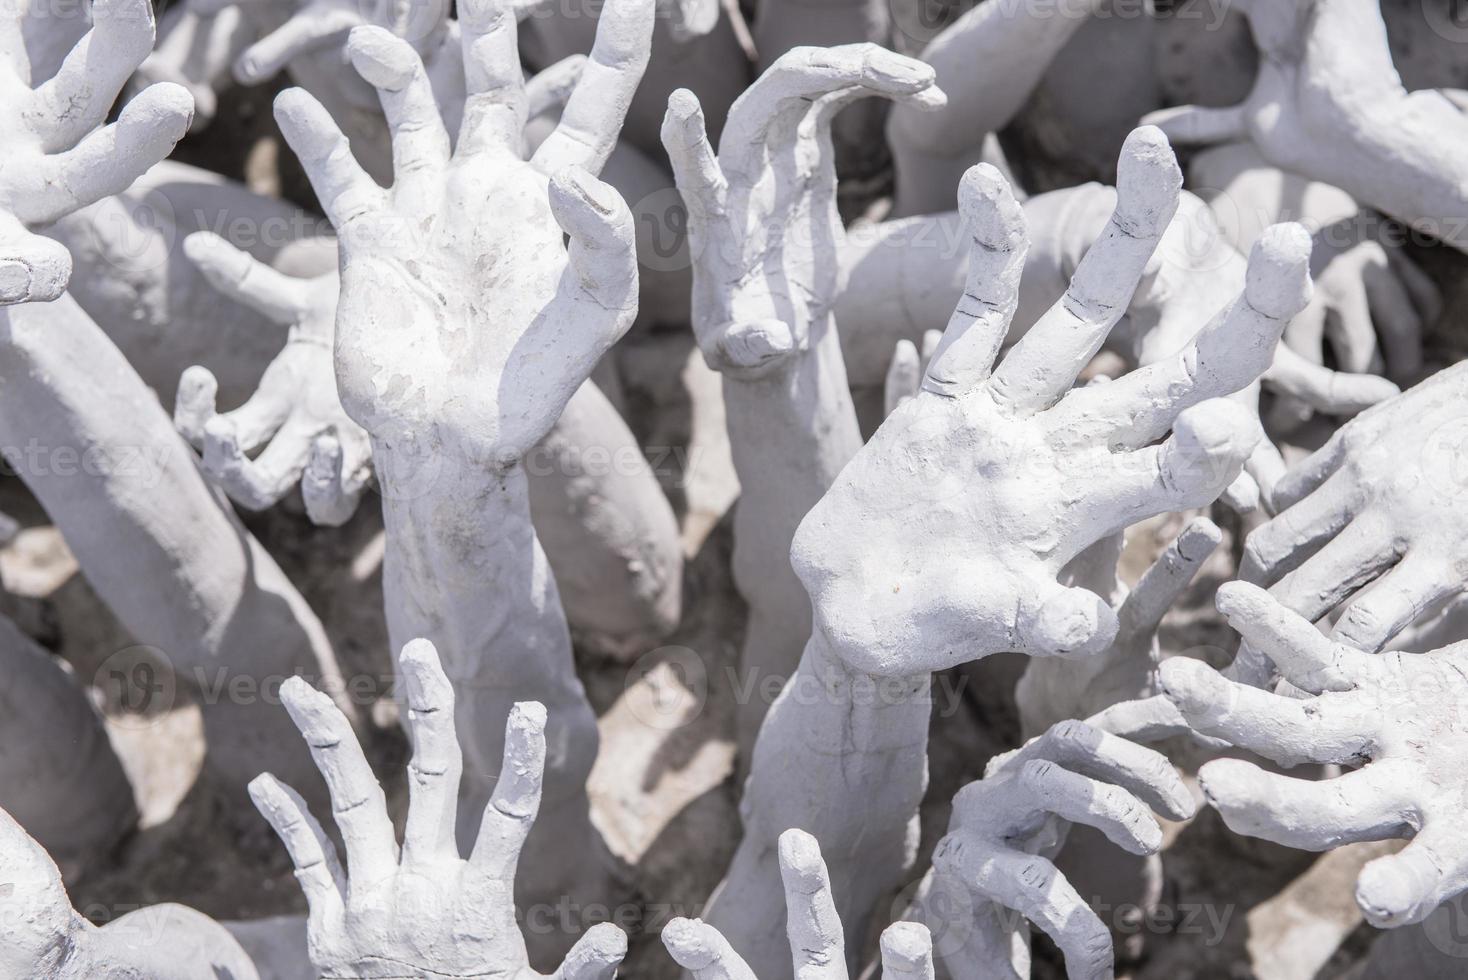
(1313, 815)
(33, 268)
(907, 952)
(1398, 324)
(280, 298)
(495, 110)
(357, 800)
(817, 943)
(904, 377)
(1328, 392)
(549, 89)
(1033, 886)
(1357, 555)
(596, 955)
(335, 478)
(1140, 771)
(311, 851)
(194, 404)
(437, 764)
(1399, 598)
(420, 142)
(1403, 888)
(343, 187)
(77, 98)
(516, 800)
(1056, 621)
(108, 160)
(703, 951)
(998, 243)
(1192, 124)
(1307, 476)
(1287, 730)
(314, 26)
(592, 119)
(1168, 577)
(1109, 809)
(1295, 533)
(696, 170)
(255, 484)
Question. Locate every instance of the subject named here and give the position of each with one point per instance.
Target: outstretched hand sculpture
(1328, 104)
(1062, 468)
(295, 409)
(764, 235)
(817, 944)
(465, 325)
(423, 912)
(1380, 502)
(941, 541)
(41, 935)
(54, 162)
(1396, 715)
(1007, 828)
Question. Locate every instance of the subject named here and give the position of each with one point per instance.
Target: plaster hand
(422, 911)
(457, 291)
(1396, 716)
(196, 51)
(41, 935)
(1380, 505)
(762, 221)
(1052, 690)
(817, 944)
(1328, 104)
(295, 409)
(999, 479)
(54, 162)
(1007, 828)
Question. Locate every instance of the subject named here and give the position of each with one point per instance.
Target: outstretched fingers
(357, 800)
(1225, 356)
(998, 243)
(278, 297)
(696, 171)
(258, 483)
(516, 800)
(311, 851)
(1328, 392)
(1189, 125)
(1140, 771)
(703, 951)
(592, 119)
(1044, 364)
(437, 764)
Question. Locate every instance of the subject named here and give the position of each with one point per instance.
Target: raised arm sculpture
(764, 235)
(464, 326)
(941, 540)
(421, 910)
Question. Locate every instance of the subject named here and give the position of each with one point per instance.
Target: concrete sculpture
(767, 202)
(467, 247)
(940, 468)
(421, 910)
